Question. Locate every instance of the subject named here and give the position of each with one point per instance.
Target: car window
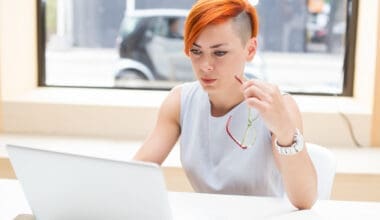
(128, 26)
(160, 27)
(175, 27)
(169, 27)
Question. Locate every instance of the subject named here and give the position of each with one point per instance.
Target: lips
(208, 81)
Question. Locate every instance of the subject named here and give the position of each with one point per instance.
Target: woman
(238, 136)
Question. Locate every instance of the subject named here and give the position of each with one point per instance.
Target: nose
(207, 65)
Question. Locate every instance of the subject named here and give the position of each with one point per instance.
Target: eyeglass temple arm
(232, 137)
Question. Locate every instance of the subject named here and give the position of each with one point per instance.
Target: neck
(223, 102)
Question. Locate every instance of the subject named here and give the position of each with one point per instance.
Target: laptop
(63, 186)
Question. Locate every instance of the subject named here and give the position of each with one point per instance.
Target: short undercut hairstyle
(244, 18)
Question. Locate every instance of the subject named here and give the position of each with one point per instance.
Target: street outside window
(139, 44)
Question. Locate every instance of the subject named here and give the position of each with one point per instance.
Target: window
(305, 46)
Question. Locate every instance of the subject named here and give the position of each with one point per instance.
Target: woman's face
(218, 54)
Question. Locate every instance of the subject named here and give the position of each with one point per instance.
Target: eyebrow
(212, 47)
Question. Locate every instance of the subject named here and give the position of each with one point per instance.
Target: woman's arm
(282, 117)
(298, 172)
(166, 131)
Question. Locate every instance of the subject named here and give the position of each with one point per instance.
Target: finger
(247, 84)
(267, 87)
(256, 92)
(238, 79)
(256, 103)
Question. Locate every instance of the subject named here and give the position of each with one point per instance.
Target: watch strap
(294, 148)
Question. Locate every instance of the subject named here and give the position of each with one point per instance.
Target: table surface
(212, 206)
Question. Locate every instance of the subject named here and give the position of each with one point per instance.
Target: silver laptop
(62, 186)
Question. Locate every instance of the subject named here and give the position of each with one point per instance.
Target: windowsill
(331, 104)
(86, 97)
(366, 158)
(153, 99)
(132, 113)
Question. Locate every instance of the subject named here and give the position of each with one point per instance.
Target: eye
(195, 52)
(220, 53)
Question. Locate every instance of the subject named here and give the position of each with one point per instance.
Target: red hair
(205, 12)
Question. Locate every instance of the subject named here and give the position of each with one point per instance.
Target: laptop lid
(63, 186)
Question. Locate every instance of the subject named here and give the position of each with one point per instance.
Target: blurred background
(301, 44)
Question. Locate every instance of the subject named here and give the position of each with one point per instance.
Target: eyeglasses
(250, 129)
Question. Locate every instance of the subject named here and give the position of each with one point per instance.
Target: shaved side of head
(243, 26)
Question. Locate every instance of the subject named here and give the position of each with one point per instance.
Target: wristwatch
(297, 145)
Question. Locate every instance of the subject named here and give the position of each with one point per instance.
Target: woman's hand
(273, 107)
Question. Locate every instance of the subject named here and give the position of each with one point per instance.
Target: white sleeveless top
(213, 162)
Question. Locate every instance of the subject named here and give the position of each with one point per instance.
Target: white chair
(325, 164)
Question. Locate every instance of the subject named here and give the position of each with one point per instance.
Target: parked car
(150, 46)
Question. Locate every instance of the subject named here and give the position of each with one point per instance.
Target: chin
(209, 88)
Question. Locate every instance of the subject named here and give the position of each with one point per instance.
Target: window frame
(348, 58)
(350, 48)
(41, 45)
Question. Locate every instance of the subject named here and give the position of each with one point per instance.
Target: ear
(251, 48)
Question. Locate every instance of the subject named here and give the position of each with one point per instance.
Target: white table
(210, 206)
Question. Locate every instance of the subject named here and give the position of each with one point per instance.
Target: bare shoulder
(176, 91)
(174, 97)
(170, 108)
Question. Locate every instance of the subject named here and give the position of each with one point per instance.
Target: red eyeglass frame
(244, 147)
